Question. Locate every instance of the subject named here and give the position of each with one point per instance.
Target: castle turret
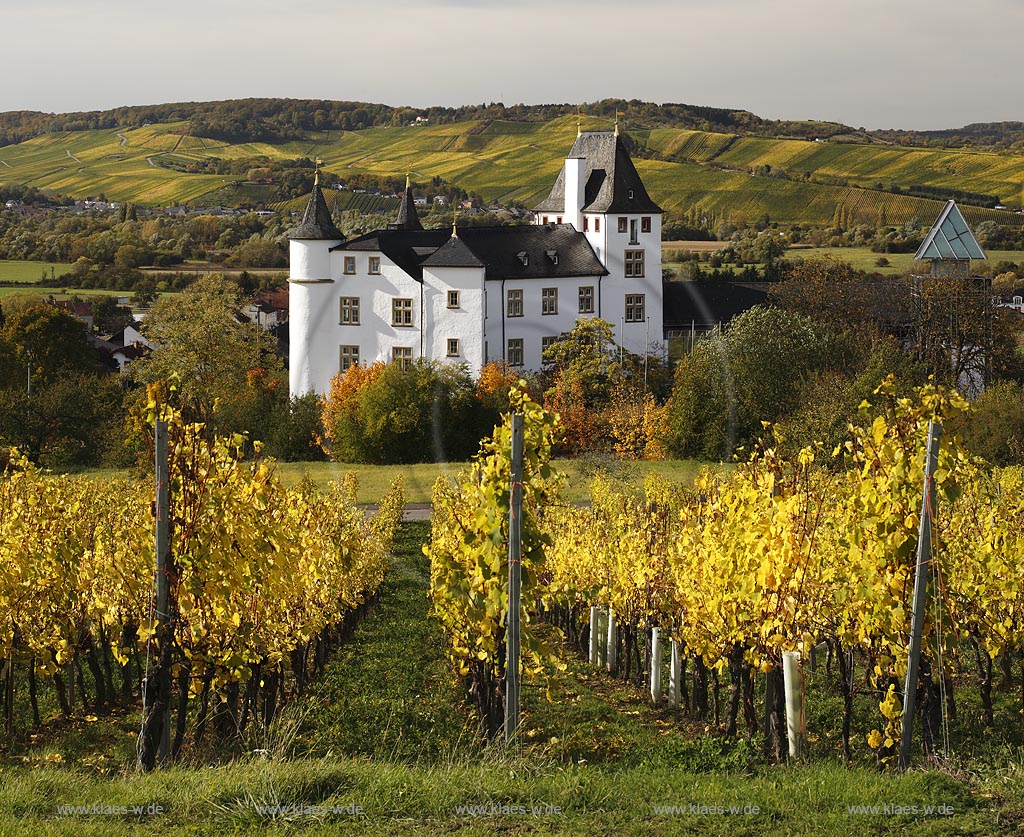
(407, 219)
(310, 284)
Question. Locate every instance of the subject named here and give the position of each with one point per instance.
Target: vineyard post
(594, 635)
(156, 711)
(675, 676)
(603, 620)
(656, 665)
(515, 536)
(923, 568)
(613, 641)
(793, 683)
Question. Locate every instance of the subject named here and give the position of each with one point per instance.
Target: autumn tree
(220, 359)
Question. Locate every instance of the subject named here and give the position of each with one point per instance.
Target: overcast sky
(870, 63)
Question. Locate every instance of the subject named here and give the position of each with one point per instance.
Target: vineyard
(721, 174)
(814, 555)
(263, 582)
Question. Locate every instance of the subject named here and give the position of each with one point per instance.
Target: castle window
(645, 224)
(349, 314)
(635, 312)
(453, 347)
(586, 224)
(515, 303)
(587, 299)
(402, 355)
(623, 225)
(546, 343)
(514, 355)
(401, 312)
(558, 220)
(634, 261)
(549, 301)
(632, 231)
(349, 357)
(544, 219)
(350, 265)
(374, 264)
(453, 299)
(597, 225)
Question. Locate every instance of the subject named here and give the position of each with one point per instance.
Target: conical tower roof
(317, 223)
(407, 219)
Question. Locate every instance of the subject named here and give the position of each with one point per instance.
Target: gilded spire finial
(316, 173)
(616, 123)
(407, 182)
(579, 122)
(455, 222)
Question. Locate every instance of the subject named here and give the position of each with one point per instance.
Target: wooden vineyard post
(156, 693)
(595, 635)
(515, 579)
(603, 621)
(923, 568)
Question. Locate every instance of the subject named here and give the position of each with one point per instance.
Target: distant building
(479, 294)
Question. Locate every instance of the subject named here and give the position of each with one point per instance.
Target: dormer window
(553, 255)
(631, 194)
(524, 257)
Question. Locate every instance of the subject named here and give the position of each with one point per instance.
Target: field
(862, 258)
(510, 161)
(25, 271)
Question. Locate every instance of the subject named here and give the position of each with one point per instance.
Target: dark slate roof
(407, 218)
(706, 304)
(406, 248)
(610, 177)
(453, 253)
(316, 224)
(505, 252)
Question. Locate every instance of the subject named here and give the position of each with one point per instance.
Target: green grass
(385, 729)
(863, 258)
(519, 161)
(25, 271)
(374, 480)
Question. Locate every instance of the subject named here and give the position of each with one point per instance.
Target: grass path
(388, 692)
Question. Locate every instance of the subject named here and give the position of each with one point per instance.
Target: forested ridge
(281, 120)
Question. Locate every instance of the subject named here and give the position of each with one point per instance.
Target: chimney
(575, 172)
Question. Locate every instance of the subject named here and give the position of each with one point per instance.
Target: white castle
(480, 294)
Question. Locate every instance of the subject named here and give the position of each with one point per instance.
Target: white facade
(402, 294)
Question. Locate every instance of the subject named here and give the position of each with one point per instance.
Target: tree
(51, 340)
(427, 412)
(198, 337)
(108, 317)
(750, 373)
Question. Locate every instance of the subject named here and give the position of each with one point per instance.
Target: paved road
(413, 511)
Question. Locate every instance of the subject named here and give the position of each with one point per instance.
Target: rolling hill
(723, 175)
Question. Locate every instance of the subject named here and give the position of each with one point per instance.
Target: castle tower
(407, 219)
(599, 193)
(310, 292)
